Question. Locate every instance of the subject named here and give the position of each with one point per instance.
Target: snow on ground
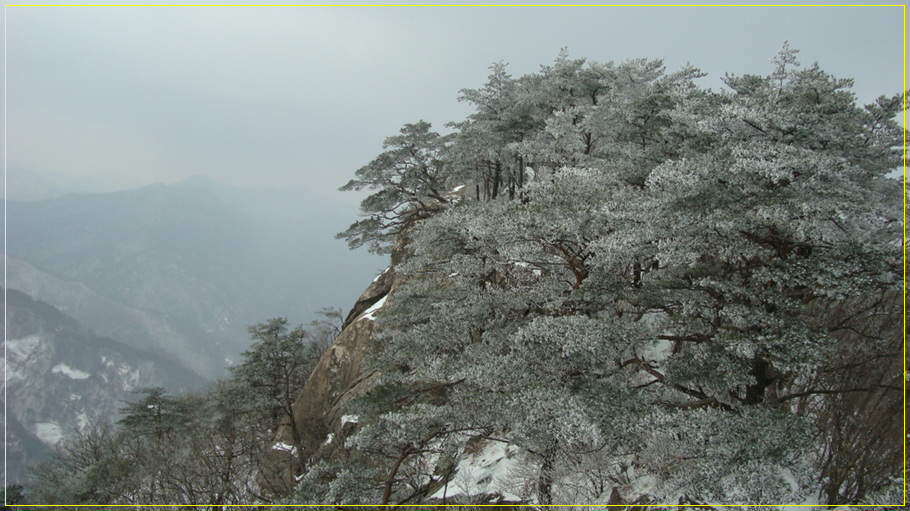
(486, 471)
(82, 420)
(281, 446)
(22, 348)
(658, 351)
(128, 375)
(48, 432)
(69, 372)
(18, 351)
(370, 313)
(454, 195)
(349, 418)
(535, 271)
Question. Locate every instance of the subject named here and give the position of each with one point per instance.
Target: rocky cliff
(338, 377)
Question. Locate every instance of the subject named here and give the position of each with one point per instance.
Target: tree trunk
(756, 393)
(545, 480)
(390, 481)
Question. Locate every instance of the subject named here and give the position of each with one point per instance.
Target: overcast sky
(306, 95)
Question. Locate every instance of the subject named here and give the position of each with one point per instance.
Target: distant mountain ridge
(183, 268)
(178, 256)
(32, 184)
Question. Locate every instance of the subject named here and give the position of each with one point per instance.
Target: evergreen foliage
(410, 179)
(658, 277)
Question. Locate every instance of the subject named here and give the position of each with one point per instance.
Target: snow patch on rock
(69, 372)
(82, 420)
(21, 349)
(381, 274)
(370, 313)
(49, 433)
(281, 446)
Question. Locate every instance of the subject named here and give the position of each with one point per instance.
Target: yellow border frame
(903, 6)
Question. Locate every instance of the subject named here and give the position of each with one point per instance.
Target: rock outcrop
(337, 378)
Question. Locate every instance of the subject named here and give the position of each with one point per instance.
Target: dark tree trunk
(756, 393)
(545, 480)
(390, 481)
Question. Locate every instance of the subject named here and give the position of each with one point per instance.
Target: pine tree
(276, 366)
(663, 294)
(410, 179)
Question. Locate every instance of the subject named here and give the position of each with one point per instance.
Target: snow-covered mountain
(61, 377)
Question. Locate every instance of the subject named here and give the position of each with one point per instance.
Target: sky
(304, 96)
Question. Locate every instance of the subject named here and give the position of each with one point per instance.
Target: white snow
(535, 271)
(354, 419)
(22, 348)
(48, 432)
(485, 471)
(128, 375)
(371, 312)
(82, 420)
(658, 351)
(281, 446)
(329, 439)
(453, 196)
(69, 372)
(381, 274)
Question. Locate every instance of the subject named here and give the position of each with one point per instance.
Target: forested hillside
(608, 285)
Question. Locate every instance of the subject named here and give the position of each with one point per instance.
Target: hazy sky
(306, 95)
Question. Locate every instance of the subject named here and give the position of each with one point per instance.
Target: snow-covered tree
(409, 179)
(276, 366)
(665, 300)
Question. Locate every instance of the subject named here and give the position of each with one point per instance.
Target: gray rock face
(338, 377)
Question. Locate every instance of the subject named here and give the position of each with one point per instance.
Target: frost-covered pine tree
(409, 179)
(662, 301)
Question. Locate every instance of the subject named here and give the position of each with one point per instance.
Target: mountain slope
(61, 377)
(179, 268)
